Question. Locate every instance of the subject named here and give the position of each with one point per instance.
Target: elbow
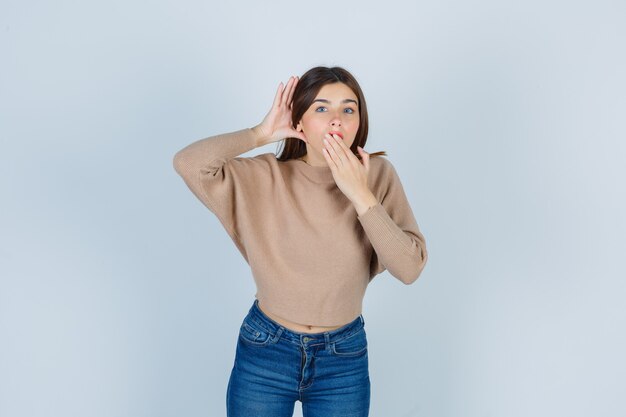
(182, 165)
(408, 274)
(176, 162)
(416, 270)
(409, 279)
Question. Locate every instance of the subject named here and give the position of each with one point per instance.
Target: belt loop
(326, 341)
(278, 333)
(361, 317)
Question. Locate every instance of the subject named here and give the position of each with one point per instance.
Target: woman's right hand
(277, 123)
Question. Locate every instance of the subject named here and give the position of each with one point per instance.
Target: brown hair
(303, 95)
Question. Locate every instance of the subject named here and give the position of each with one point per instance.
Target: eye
(347, 108)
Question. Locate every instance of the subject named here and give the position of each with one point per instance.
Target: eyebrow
(323, 100)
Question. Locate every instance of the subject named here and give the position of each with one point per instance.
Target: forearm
(217, 149)
(403, 252)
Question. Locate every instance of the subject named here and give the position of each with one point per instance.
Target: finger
(341, 147)
(340, 143)
(329, 159)
(278, 95)
(293, 88)
(330, 147)
(365, 157)
(287, 90)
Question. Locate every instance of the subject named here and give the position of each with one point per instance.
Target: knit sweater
(311, 255)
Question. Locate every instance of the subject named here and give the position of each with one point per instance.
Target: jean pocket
(254, 334)
(353, 345)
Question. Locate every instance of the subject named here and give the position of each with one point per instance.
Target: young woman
(315, 224)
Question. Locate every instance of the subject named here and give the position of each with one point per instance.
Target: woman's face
(335, 109)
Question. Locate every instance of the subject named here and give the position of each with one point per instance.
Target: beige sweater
(310, 254)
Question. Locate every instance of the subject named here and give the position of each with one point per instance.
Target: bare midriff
(296, 327)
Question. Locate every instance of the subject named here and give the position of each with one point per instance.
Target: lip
(336, 133)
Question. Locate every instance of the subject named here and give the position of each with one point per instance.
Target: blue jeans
(275, 367)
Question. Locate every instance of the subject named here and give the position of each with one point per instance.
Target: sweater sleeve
(207, 167)
(391, 227)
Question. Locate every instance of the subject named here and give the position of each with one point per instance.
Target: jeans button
(306, 339)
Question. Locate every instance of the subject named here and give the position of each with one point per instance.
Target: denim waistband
(260, 318)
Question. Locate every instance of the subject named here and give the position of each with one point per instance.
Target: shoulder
(380, 163)
(382, 170)
(384, 180)
(262, 161)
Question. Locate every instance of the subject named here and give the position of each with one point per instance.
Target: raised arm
(209, 167)
(206, 167)
(205, 158)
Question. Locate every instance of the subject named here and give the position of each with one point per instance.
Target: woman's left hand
(349, 173)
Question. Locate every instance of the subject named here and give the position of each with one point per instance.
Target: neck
(314, 164)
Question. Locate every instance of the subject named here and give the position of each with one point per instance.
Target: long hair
(305, 92)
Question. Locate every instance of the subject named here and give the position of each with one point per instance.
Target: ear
(299, 127)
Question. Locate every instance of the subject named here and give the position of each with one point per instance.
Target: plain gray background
(121, 294)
